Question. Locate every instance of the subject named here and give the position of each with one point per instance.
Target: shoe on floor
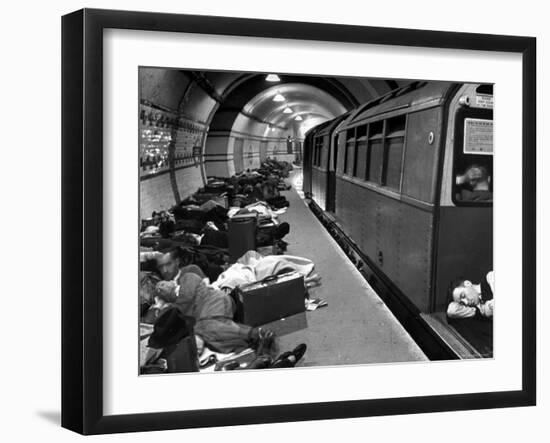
(290, 358)
(260, 362)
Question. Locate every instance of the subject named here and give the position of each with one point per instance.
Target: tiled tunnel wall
(177, 152)
(170, 142)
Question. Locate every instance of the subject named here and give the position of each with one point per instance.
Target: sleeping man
(213, 311)
(468, 299)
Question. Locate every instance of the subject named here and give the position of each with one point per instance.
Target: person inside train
(475, 184)
(467, 300)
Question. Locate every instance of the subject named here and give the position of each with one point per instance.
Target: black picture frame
(82, 218)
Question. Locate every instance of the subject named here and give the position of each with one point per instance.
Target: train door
(331, 179)
(466, 210)
(238, 155)
(465, 234)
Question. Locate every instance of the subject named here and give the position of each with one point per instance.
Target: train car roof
(328, 127)
(409, 96)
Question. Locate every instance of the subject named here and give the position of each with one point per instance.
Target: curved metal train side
(322, 165)
(412, 236)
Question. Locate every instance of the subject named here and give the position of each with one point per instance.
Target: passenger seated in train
(469, 300)
(475, 184)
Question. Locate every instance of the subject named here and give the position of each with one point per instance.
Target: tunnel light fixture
(288, 110)
(278, 98)
(298, 118)
(273, 78)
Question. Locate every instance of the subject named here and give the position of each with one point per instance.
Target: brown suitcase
(271, 299)
(182, 357)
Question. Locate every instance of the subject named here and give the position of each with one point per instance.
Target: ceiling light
(273, 78)
(287, 111)
(298, 118)
(278, 98)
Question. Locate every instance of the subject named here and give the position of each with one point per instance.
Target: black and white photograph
(292, 221)
(275, 221)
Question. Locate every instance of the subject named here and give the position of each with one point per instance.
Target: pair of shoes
(290, 358)
(230, 366)
(212, 360)
(260, 362)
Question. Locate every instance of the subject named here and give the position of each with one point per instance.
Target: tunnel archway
(190, 120)
(248, 123)
(241, 137)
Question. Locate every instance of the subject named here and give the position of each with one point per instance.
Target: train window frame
(458, 154)
(341, 147)
(349, 163)
(390, 133)
(317, 148)
(325, 151)
(361, 138)
(375, 137)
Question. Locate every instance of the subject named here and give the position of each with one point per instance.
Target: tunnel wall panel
(156, 194)
(188, 180)
(197, 105)
(163, 87)
(220, 155)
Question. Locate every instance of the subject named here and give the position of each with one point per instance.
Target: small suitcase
(271, 299)
(241, 235)
(183, 356)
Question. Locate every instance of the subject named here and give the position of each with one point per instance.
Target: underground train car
(387, 180)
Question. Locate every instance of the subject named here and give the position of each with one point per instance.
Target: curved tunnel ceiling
(304, 100)
(221, 98)
(249, 96)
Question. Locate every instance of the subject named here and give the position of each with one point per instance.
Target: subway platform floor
(356, 327)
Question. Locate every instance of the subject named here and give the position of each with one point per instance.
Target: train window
(341, 153)
(393, 154)
(361, 153)
(485, 89)
(319, 151)
(318, 146)
(375, 151)
(473, 157)
(334, 153)
(350, 152)
(325, 151)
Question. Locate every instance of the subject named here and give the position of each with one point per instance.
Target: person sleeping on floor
(213, 311)
(467, 300)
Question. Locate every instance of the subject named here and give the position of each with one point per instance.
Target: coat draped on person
(252, 267)
(213, 312)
